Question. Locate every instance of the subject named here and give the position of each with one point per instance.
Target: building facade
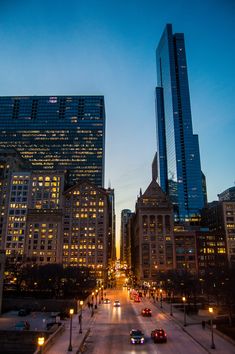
(227, 195)
(211, 251)
(86, 228)
(185, 250)
(179, 164)
(10, 161)
(152, 235)
(34, 216)
(124, 239)
(57, 133)
(219, 217)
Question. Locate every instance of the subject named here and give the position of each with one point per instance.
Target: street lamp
(96, 294)
(41, 341)
(92, 303)
(211, 310)
(80, 316)
(171, 313)
(154, 292)
(71, 312)
(99, 295)
(184, 301)
(161, 297)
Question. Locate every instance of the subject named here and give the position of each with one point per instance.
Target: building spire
(154, 168)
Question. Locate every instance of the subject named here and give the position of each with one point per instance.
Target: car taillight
(165, 334)
(156, 334)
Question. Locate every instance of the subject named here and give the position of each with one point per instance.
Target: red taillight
(165, 334)
(156, 334)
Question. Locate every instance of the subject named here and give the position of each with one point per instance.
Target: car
(107, 301)
(116, 303)
(159, 336)
(23, 312)
(137, 299)
(146, 312)
(137, 336)
(22, 326)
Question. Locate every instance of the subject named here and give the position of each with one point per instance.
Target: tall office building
(57, 133)
(179, 164)
(124, 239)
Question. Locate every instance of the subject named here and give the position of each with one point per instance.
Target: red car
(136, 299)
(146, 312)
(159, 336)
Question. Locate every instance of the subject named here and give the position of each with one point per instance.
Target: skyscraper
(179, 164)
(57, 132)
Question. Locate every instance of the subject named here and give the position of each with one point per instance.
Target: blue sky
(52, 47)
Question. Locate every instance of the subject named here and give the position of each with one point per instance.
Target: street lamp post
(212, 331)
(99, 295)
(184, 301)
(71, 312)
(154, 294)
(92, 304)
(41, 341)
(102, 292)
(171, 313)
(160, 291)
(80, 316)
(96, 294)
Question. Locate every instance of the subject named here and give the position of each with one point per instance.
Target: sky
(107, 47)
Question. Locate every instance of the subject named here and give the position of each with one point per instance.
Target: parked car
(146, 312)
(159, 336)
(136, 298)
(137, 336)
(22, 326)
(24, 312)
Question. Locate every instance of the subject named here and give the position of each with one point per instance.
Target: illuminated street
(110, 333)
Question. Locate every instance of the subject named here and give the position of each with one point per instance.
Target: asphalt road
(110, 332)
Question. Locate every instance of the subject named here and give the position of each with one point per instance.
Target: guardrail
(51, 339)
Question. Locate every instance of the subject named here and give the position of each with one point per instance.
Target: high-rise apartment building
(34, 216)
(57, 133)
(10, 161)
(179, 164)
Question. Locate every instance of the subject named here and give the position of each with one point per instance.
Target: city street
(110, 332)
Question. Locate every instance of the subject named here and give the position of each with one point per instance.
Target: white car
(116, 303)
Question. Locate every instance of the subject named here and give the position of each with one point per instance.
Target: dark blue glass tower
(57, 132)
(179, 164)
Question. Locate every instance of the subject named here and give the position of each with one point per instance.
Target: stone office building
(152, 234)
(86, 228)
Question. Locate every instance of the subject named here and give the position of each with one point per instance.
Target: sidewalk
(194, 329)
(62, 343)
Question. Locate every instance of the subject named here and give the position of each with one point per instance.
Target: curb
(80, 349)
(81, 346)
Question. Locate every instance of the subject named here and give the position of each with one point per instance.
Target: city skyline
(109, 49)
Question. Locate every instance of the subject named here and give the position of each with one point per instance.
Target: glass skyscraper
(57, 132)
(179, 164)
